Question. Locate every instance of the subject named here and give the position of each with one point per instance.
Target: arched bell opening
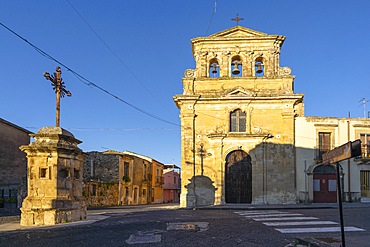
(259, 67)
(214, 68)
(236, 67)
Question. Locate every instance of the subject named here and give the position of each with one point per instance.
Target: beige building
(122, 178)
(317, 135)
(237, 114)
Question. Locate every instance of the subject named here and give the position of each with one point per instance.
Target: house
(171, 183)
(122, 178)
(13, 163)
(317, 182)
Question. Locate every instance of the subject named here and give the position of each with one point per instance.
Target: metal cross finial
(237, 19)
(60, 90)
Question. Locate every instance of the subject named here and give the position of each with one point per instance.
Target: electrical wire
(115, 55)
(213, 12)
(84, 80)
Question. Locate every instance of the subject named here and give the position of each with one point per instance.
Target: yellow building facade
(237, 115)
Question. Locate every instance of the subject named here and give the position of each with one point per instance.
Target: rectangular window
(43, 172)
(93, 190)
(237, 121)
(365, 183)
(332, 185)
(324, 143)
(126, 169)
(365, 145)
(316, 185)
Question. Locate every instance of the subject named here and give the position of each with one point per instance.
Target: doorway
(238, 177)
(324, 184)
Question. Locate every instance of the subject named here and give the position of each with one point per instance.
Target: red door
(324, 187)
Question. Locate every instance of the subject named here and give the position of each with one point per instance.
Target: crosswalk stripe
(258, 212)
(285, 218)
(270, 215)
(318, 229)
(279, 218)
(300, 223)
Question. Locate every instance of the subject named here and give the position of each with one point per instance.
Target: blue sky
(138, 51)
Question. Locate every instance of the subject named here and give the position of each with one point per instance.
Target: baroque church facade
(237, 112)
(244, 135)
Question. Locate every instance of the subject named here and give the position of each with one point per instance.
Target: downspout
(349, 164)
(223, 201)
(194, 156)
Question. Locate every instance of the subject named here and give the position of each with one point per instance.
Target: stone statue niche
(55, 172)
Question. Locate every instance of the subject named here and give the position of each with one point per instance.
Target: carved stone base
(38, 212)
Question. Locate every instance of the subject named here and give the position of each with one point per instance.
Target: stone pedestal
(55, 173)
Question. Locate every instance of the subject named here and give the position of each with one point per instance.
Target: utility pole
(60, 90)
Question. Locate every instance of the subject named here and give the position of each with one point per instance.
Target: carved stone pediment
(238, 31)
(238, 92)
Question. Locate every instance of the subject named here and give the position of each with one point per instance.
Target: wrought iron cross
(60, 90)
(237, 19)
(202, 153)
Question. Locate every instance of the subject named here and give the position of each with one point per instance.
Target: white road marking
(258, 212)
(270, 215)
(318, 229)
(300, 223)
(285, 218)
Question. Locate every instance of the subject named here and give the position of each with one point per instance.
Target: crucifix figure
(237, 19)
(60, 90)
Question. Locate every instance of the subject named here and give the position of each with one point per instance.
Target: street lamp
(59, 88)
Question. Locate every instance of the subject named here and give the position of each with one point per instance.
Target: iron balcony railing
(319, 151)
(365, 151)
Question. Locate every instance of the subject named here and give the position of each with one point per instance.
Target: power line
(115, 54)
(84, 80)
(213, 12)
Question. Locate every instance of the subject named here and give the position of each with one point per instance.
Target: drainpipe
(264, 167)
(349, 164)
(194, 173)
(222, 172)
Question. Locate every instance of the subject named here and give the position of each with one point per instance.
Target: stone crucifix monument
(55, 172)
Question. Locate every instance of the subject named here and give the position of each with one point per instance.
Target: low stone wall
(99, 194)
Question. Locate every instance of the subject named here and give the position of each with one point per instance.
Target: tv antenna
(363, 102)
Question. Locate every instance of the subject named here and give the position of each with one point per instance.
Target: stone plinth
(55, 173)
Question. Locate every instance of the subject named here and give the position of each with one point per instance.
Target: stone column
(55, 173)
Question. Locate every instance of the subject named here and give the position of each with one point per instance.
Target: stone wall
(100, 194)
(101, 167)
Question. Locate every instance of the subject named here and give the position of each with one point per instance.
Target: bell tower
(238, 98)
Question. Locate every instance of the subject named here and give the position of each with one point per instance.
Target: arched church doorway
(324, 184)
(238, 177)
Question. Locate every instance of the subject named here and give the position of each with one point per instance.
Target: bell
(236, 71)
(259, 68)
(214, 68)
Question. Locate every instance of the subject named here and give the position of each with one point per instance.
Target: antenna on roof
(363, 102)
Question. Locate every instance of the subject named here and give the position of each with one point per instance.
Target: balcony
(159, 180)
(319, 151)
(365, 154)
